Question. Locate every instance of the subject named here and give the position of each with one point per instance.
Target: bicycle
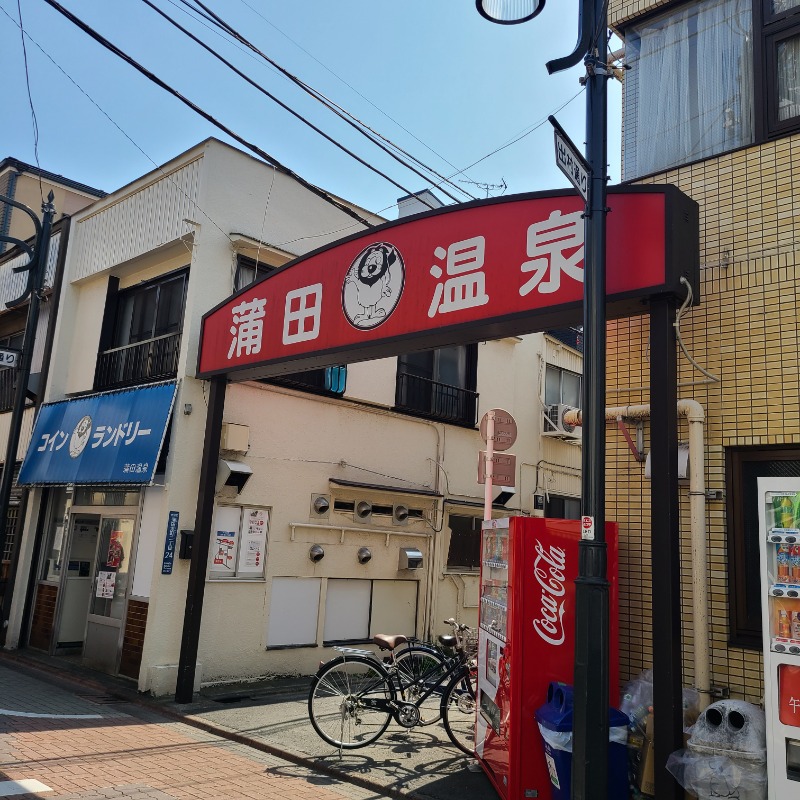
(354, 697)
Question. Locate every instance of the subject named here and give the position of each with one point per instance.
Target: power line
(30, 99)
(208, 117)
(117, 126)
(272, 97)
(349, 86)
(346, 116)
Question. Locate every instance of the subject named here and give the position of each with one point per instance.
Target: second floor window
(439, 384)
(689, 92)
(142, 333)
(562, 387)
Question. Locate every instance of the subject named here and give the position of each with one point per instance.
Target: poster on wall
(115, 551)
(105, 585)
(224, 550)
(252, 552)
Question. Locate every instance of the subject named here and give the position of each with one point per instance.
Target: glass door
(111, 580)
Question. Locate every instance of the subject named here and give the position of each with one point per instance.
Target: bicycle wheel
(421, 668)
(458, 710)
(338, 701)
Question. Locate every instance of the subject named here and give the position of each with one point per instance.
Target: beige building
(710, 105)
(347, 500)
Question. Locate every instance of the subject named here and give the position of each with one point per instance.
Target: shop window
(54, 534)
(744, 466)
(141, 335)
(439, 384)
(240, 536)
(562, 507)
(357, 609)
(465, 542)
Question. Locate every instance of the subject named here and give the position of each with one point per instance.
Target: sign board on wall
(474, 271)
(114, 437)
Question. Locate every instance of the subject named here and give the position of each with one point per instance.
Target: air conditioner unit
(554, 425)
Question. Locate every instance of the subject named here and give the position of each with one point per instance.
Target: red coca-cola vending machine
(526, 640)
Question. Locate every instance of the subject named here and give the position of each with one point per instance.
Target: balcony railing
(436, 400)
(155, 359)
(572, 337)
(8, 383)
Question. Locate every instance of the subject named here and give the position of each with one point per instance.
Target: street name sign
(570, 161)
(8, 358)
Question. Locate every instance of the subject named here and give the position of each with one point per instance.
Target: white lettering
(552, 581)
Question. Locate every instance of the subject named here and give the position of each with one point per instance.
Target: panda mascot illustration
(373, 285)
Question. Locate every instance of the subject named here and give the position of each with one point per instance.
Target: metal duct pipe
(694, 414)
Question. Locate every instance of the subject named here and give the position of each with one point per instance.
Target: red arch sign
(483, 270)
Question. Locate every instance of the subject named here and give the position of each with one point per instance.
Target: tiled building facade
(744, 333)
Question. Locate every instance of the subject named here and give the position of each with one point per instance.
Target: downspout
(695, 416)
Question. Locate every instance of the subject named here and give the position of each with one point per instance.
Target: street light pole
(591, 675)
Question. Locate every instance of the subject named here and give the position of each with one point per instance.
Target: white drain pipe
(695, 416)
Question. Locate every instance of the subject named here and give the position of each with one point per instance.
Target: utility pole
(35, 268)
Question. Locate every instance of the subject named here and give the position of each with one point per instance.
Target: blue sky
(431, 75)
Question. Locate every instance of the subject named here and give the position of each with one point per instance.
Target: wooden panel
(133, 640)
(44, 611)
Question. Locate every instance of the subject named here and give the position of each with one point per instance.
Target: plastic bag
(637, 699)
(637, 702)
(562, 740)
(718, 776)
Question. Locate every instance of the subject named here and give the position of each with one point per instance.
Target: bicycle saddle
(447, 641)
(389, 642)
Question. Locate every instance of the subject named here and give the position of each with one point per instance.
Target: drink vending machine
(779, 543)
(526, 640)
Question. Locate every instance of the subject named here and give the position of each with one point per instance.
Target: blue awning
(114, 437)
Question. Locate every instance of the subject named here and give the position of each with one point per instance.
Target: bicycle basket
(470, 640)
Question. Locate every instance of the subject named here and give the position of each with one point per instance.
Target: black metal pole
(195, 589)
(665, 546)
(591, 678)
(24, 370)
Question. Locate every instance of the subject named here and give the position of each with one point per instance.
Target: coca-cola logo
(548, 569)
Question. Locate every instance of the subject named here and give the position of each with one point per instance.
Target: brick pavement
(86, 750)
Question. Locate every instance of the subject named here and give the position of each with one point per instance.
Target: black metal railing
(154, 359)
(8, 383)
(572, 337)
(440, 401)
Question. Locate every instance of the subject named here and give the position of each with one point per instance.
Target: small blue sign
(114, 437)
(169, 544)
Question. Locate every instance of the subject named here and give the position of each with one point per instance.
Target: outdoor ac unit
(555, 426)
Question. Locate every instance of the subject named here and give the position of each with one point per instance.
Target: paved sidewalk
(58, 744)
(265, 724)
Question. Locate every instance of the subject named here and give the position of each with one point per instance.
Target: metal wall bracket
(636, 448)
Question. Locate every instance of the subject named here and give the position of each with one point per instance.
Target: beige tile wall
(744, 332)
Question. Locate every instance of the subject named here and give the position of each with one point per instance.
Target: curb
(17, 661)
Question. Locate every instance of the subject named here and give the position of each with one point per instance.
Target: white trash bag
(708, 776)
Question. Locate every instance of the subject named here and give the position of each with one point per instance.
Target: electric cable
(354, 122)
(30, 99)
(283, 105)
(208, 117)
(117, 126)
(349, 86)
